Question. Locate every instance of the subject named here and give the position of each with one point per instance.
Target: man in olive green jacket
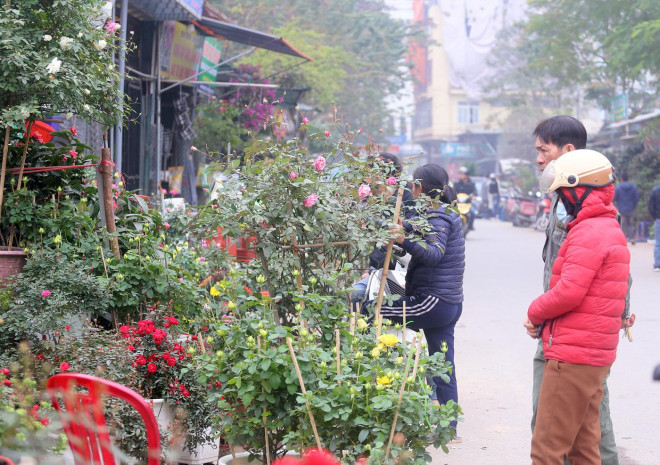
(554, 137)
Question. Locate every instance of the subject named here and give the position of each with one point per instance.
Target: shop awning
(164, 10)
(243, 35)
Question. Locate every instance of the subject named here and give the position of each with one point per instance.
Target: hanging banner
(181, 51)
(210, 57)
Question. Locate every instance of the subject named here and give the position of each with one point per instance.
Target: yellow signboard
(180, 51)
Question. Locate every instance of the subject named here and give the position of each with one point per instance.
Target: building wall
(442, 100)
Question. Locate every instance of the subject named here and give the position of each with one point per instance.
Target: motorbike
(543, 216)
(464, 205)
(525, 211)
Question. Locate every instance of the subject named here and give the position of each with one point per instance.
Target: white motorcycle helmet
(577, 168)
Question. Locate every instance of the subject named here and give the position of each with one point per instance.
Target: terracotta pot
(11, 262)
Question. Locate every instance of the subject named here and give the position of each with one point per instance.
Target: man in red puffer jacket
(581, 313)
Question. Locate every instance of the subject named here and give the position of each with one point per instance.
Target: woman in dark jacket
(434, 281)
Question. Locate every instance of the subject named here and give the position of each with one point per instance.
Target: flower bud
(261, 279)
(312, 280)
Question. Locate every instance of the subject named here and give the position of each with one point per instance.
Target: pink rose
(391, 181)
(293, 175)
(64, 366)
(327, 133)
(173, 192)
(319, 163)
(167, 225)
(364, 191)
(73, 153)
(311, 200)
(305, 121)
(45, 293)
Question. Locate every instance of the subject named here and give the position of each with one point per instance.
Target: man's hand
(628, 322)
(531, 328)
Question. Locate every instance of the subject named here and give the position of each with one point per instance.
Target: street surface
(494, 354)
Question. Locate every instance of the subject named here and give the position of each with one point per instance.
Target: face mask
(561, 213)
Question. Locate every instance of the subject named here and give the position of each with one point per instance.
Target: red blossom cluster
(155, 349)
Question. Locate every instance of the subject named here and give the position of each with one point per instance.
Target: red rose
(44, 421)
(151, 368)
(7, 382)
(64, 366)
(131, 348)
(40, 357)
(171, 361)
(140, 360)
(5, 371)
(67, 327)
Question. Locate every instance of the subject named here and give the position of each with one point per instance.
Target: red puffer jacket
(582, 310)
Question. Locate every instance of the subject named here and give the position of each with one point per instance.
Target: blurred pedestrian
(494, 195)
(654, 209)
(626, 197)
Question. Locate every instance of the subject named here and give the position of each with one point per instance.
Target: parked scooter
(464, 205)
(396, 278)
(526, 210)
(543, 216)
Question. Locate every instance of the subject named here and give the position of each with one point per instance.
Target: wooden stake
(265, 427)
(338, 348)
(3, 170)
(304, 392)
(405, 341)
(402, 390)
(295, 245)
(20, 177)
(388, 256)
(106, 171)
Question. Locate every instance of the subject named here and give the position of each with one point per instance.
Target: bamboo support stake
(402, 390)
(405, 342)
(201, 343)
(304, 392)
(386, 263)
(20, 177)
(267, 443)
(338, 347)
(3, 170)
(295, 246)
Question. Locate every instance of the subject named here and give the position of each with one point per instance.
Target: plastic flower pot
(176, 450)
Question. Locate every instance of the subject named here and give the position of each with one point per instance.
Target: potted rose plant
(313, 218)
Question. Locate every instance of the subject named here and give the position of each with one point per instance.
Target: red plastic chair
(84, 422)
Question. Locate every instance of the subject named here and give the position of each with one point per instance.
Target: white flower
(69, 115)
(48, 37)
(86, 107)
(86, 91)
(25, 114)
(54, 66)
(100, 45)
(66, 43)
(79, 35)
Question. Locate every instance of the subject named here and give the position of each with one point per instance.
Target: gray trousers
(608, 452)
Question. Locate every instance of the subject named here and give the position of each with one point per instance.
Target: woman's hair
(435, 182)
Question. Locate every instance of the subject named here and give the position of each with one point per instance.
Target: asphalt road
(494, 354)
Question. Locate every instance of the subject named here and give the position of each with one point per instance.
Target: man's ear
(567, 148)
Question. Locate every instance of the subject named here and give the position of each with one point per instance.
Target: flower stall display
(298, 366)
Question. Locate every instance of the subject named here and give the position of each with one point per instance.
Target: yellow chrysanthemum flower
(384, 380)
(214, 292)
(389, 340)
